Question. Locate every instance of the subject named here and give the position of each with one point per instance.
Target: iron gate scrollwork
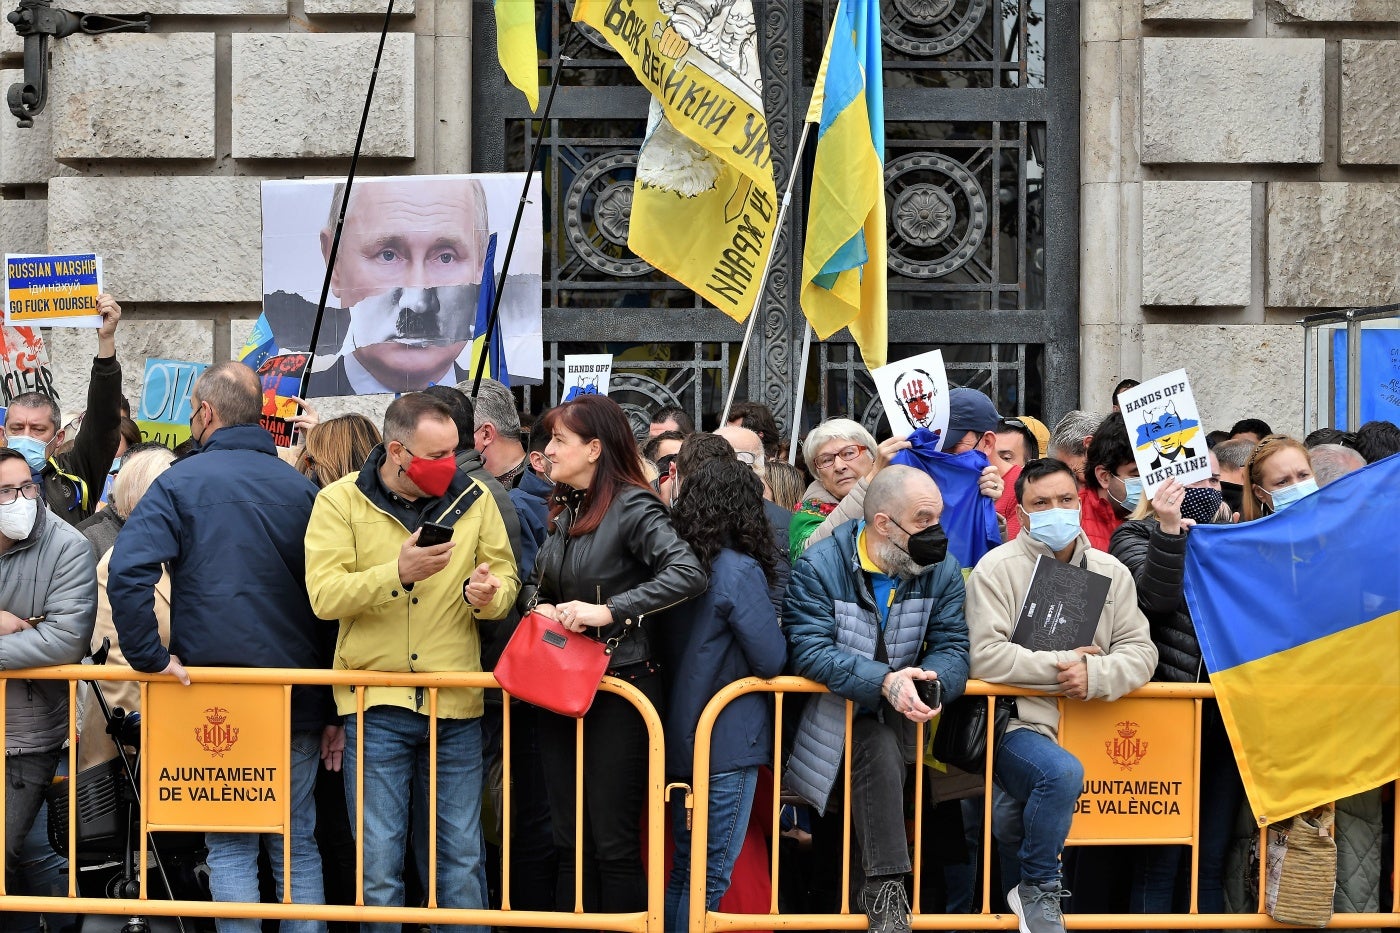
(982, 127)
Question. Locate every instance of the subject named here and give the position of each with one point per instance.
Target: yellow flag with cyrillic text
(704, 204)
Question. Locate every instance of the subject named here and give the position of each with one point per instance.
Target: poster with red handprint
(914, 392)
(24, 364)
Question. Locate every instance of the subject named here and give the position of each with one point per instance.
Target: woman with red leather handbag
(612, 560)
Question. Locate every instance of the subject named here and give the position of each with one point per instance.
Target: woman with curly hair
(726, 634)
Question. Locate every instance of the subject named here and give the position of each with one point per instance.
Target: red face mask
(431, 476)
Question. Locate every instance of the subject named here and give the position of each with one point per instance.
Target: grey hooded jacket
(51, 573)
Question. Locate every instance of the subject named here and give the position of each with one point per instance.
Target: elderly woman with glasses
(843, 457)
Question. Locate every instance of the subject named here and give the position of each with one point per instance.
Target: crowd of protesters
(701, 558)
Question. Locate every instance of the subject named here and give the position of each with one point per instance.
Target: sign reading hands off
(1165, 429)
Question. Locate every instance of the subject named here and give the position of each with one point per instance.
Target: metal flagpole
(767, 266)
(797, 395)
(344, 203)
(515, 227)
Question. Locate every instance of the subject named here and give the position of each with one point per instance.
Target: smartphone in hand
(431, 533)
(930, 692)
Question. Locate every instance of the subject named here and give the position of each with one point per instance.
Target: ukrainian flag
(485, 298)
(1298, 616)
(843, 260)
(516, 47)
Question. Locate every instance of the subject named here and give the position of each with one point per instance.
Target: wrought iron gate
(982, 172)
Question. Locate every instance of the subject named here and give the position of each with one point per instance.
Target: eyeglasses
(1013, 423)
(9, 494)
(848, 454)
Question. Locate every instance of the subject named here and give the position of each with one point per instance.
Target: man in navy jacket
(874, 612)
(230, 524)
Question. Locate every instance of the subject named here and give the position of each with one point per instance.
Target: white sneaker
(1037, 906)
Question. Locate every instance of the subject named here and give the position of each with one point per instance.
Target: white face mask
(17, 518)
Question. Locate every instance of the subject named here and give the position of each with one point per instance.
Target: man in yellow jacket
(403, 606)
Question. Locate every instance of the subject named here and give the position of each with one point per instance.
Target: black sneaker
(886, 906)
(1037, 906)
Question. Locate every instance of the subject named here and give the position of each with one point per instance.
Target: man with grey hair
(1069, 441)
(875, 613)
(230, 523)
(497, 433)
(497, 437)
(1330, 462)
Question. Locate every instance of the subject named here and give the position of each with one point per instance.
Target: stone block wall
(152, 147)
(1240, 169)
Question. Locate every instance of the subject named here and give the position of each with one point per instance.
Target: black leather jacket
(1157, 562)
(634, 562)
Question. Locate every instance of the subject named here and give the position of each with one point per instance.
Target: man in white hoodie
(1029, 766)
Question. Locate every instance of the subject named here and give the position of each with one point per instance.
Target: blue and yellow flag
(1298, 616)
(704, 203)
(516, 47)
(496, 356)
(260, 345)
(843, 261)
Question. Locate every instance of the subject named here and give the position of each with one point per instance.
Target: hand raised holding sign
(107, 332)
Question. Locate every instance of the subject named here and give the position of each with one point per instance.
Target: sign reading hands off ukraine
(1165, 429)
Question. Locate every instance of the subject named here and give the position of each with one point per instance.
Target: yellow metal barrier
(704, 921)
(147, 905)
(651, 919)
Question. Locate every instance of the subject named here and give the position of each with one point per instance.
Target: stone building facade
(1238, 167)
(1241, 169)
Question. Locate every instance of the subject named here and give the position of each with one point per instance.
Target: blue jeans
(731, 802)
(1045, 780)
(396, 744)
(233, 857)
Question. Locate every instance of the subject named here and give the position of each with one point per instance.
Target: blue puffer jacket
(530, 496)
(727, 633)
(230, 523)
(831, 622)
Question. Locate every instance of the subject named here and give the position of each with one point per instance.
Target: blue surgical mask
(1288, 495)
(34, 450)
(1132, 493)
(1055, 528)
(116, 466)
